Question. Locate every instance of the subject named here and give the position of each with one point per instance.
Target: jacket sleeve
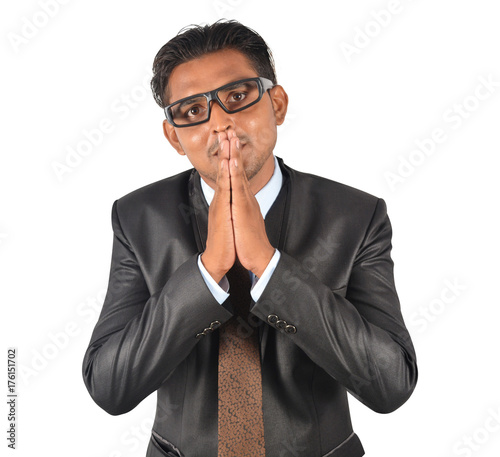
(140, 338)
(360, 339)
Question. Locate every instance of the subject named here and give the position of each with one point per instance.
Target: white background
(353, 117)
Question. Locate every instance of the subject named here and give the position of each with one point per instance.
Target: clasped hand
(236, 228)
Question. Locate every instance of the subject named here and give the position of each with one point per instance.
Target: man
(251, 296)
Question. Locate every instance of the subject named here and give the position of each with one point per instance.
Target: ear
(171, 136)
(279, 99)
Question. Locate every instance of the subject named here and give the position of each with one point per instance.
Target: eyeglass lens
(234, 97)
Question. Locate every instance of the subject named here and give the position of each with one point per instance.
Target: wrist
(216, 273)
(261, 266)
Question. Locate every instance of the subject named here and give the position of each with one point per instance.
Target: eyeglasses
(232, 97)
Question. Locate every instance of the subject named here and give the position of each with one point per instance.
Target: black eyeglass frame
(263, 84)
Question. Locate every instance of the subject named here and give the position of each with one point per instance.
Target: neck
(263, 175)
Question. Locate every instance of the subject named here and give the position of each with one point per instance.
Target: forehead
(208, 72)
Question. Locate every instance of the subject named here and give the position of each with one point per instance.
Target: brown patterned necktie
(241, 422)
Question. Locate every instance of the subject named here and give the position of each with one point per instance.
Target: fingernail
(236, 163)
(238, 144)
(222, 146)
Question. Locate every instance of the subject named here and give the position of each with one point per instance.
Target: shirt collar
(265, 196)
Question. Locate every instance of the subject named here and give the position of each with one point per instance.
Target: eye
(193, 111)
(235, 98)
(238, 96)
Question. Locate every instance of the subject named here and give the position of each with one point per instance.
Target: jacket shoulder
(165, 193)
(326, 191)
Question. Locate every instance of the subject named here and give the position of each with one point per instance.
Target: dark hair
(195, 41)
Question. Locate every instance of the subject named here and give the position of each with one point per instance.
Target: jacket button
(214, 325)
(281, 324)
(291, 329)
(272, 319)
(207, 330)
(200, 335)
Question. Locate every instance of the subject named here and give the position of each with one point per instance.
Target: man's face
(255, 126)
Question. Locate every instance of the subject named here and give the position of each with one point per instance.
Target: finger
(223, 184)
(222, 136)
(223, 178)
(230, 136)
(220, 158)
(236, 160)
(239, 183)
(223, 146)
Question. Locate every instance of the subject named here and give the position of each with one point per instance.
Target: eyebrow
(190, 101)
(245, 84)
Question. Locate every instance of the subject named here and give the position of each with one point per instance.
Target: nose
(221, 121)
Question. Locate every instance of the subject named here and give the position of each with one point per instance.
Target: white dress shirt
(265, 197)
